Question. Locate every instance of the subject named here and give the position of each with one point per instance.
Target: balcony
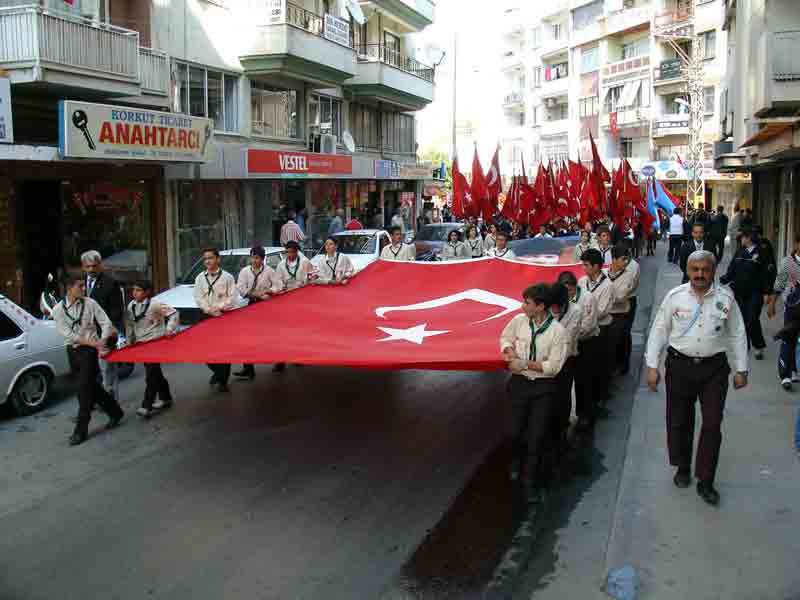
(154, 68)
(514, 101)
(553, 48)
(385, 75)
(623, 70)
(670, 125)
(417, 14)
(511, 60)
(675, 22)
(554, 127)
(512, 24)
(775, 74)
(68, 53)
(303, 46)
(629, 117)
(554, 88)
(627, 19)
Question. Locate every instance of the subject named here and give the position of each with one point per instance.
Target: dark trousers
(787, 358)
(616, 335)
(90, 391)
(532, 408)
(587, 375)
(562, 408)
(751, 305)
(605, 365)
(155, 385)
(686, 382)
(718, 247)
(625, 346)
(675, 242)
(222, 373)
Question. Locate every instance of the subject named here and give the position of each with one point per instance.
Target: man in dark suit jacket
(102, 288)
(696, 242)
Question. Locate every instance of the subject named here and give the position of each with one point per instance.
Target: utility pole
(455, 78)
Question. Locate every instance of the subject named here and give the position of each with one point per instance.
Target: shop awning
(631, 89)
(766, 133)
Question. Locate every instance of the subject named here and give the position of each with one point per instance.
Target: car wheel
(124, 370)
(30, 391)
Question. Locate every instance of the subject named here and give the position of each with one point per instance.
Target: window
(364, 126)
(612, 98)
(535, 152)
(588, 107)
(392, 42)
(590, 59)
(557, 31)
(535, 116)
(626, 147)
(8, 329)
(324, 115)
(710, 44)
(537, 77)
(536, 37)
(274, 111)
(553, 72)
(202, 92)
(708, 100)
(635, 48)
(359, 33)
(586, 15)
(670, 152)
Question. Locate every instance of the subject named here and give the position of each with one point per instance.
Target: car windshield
(435, 233)
(355, 244)
(232, 263)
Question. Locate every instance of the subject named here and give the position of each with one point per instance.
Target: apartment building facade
(759, 132)
(604, 67)
(277, 105)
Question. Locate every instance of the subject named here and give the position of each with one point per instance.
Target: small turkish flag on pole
(494, 184)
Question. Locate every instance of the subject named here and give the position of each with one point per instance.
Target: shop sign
(109, 132)
(297, 164)
(664, 169)
(6, 125)
(415, 171)
(386, 169)
(337, 30)
(670, 69)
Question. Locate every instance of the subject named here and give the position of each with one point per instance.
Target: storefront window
(112, 218)
(274, 111)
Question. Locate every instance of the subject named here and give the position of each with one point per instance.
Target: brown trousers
(686, 382)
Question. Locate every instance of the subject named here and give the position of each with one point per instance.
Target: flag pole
(455, 77)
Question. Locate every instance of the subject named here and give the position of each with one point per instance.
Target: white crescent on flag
(492, 176)
(509, 305)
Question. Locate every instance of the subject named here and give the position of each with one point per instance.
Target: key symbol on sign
(81, 121)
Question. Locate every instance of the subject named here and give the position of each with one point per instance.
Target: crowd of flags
(566, 192)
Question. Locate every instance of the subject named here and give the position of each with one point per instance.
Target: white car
(181, 296)
(32, 355)
(362, 246)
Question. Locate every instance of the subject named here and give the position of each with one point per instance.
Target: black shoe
(279, 367)
(683, 478)
(114, 422)
(707, 492)
(78, 438)
(223, 388)
(213, 380)
(245, 374)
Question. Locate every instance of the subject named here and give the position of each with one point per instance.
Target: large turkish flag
(392, 315)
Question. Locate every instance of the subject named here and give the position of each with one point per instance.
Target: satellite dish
(355, 11)
(349, 142)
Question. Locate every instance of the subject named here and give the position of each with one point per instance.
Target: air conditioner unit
(327, 144)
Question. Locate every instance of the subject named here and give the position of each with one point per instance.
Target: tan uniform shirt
(589, 327)
(551, 346)
(78, 321)
(603, 293)
(699, 329)
(215, 291)
(455, 251)
(294, 275)
(333, 268)
(489, 242)
(146, 321)
(474, 247)
(571, 321)
(624, 283)
(260, 285)
(402, 252)
(507, 253)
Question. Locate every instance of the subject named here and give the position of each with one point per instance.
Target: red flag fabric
(562, 194)
(445, 316)
(480, 191)
(460, 187)
(511, 205)
(494, 183)
(597, 164)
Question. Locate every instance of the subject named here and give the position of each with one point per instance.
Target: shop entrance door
(39, 205)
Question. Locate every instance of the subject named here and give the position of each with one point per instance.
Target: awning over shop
(766, 133)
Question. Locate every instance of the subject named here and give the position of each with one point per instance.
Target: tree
(435, 157)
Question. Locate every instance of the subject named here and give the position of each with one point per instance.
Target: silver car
(32, 355)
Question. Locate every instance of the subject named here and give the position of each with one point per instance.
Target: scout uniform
(602, 291)
(489, 242)
(625, 349)
(146, 321)
(474, 247)
(216, 291)
(570, 320)
(401, 252)
(77, 323)
(589, 352)
(533, 394)
(455, 251)
(332, 269)
(255, 286)
(699, 334)
(624, 284)
(507, 253)
(293, 275)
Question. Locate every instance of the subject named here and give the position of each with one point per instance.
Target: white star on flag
(413, 334)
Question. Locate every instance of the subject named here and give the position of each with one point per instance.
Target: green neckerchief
(537, 332)
(577, 295)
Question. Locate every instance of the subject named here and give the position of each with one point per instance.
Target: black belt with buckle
(697, 360)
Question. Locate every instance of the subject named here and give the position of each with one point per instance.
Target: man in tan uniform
(397, 250)
(256, 282)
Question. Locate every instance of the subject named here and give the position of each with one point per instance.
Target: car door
(13, 349)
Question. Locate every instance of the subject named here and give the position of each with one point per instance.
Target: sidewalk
(749, 546)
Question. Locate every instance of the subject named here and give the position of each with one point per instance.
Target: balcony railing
(154, 68)
(786, 55)
(393, 58)
(513, 98)
(299, 17)
(674, 18)
(30, 33)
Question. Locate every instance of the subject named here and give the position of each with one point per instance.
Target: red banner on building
(297, 164)
(613, 124)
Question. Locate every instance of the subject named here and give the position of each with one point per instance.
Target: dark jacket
(106, 292)
(749, 273)
(719, 226)
(683, 254)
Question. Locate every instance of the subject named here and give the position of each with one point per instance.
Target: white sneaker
(144, 412)
(796, 378)
(786, 383)
(759, 355)
(159, 404)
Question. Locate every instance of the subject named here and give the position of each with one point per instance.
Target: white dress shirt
(215, 291)
(488, 242)
(149, 320)
(474, 247)
(507, 253)
(571, 321)
(676, 225)
(589, 327)
(401, 252)
(699, 330)
(550, 346)
(603, 292)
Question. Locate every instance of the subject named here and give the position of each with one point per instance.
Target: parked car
(557, 250)
(232, 261)
(32, 356)
(431, 238)
(362, 246)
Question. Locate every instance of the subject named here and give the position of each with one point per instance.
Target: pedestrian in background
(787, 283)
(148, 320)
(693, 244)
(489, 241)
(700, 324)
(719, 229)
(291, 232)
(675, 236)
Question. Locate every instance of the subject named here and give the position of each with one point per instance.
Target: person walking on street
(719, 229)
(255, 283)
(335, 226)
(735, 226)
(675, 236)
(88, 333)
(700, 324)
(625, 348)
(748, 277)
(397, 250)
(332, 267)
(787, 288)
(624, 283)
(148, 320)
(534, 346)
(215, 293)
(104, 290)
(597, 283)
(697, 242)
(291, 232)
